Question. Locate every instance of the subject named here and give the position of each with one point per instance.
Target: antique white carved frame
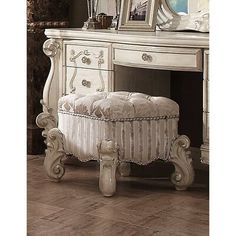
(135, 25)
(169, 20)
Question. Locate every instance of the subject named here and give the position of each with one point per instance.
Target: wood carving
(41, 14)
(54, 154)
(50, 47)
(73, 58)
(180, 157)
(167, 19)
(86, 60)
(100, 62)
(46, 119)
(108, 152)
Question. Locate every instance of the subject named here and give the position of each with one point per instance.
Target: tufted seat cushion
(143, 126)
(119, 106)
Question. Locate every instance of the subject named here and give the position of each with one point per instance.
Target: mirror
(178, 15)
(179, 6)
(188, 6)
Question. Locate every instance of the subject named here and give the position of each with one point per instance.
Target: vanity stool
(117, 128)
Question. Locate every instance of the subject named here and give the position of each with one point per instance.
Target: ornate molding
(54, 154)
(169, 20)
(100, 59)
(73, 58)
(100, 62)
(75, 55)
(180, 157)
(108, 151)
(71, 84)
(86, 60)
(46, 120)
(50, 47)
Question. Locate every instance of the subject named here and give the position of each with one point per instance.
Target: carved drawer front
(185, 59)
(85, 80)
(86, 56)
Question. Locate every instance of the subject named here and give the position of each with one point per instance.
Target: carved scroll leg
(46, 120)
(180, 157)
(124, 169)
(108, 152)
(54, 154)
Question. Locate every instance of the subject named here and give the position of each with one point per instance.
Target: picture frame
(138, 15)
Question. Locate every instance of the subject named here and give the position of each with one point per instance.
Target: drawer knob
(86, 83)
(85, 60)
(146, 57)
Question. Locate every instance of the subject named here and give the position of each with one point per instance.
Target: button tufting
(119, 105)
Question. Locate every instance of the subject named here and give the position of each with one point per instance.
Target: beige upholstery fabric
(118, 105)
(144, 127)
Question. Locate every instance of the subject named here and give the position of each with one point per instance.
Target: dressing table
(84, 61)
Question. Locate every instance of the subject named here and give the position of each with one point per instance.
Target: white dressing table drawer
(84, 56)
(184, 59)
(86, 81)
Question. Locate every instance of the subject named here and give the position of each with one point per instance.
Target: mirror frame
(169, 20)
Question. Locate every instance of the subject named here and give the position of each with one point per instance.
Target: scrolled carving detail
(100, 59)
(73, 58)
(71, 84)
(102, 87)
(54, 154)
(75, 55)
(50, 47)
(46, 120)
(180, 157)
(100, 62)
(86, 60)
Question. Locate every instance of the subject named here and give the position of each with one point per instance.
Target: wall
(78, 13)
